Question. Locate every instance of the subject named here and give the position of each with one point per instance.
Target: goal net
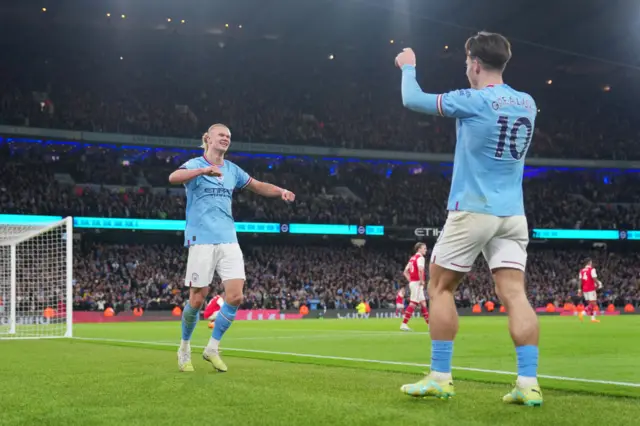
(36, 280)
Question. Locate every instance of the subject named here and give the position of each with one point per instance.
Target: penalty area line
(369, 361)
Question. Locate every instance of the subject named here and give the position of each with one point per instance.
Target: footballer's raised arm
(412, 95)
(456, 104)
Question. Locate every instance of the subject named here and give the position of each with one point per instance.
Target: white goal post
(36, 274)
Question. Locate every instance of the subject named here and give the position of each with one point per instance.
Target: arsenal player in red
(589, 280)
(212, 309)
(414, 272)
(400, 302)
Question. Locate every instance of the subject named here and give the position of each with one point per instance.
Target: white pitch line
(336, 331)
(332, 336)
(373, 361)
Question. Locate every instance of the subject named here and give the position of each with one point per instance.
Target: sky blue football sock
(527, 361)
(441, 354)
(223, 321)
(190, 317)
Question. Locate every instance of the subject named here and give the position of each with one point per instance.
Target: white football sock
(525, 382)
(185, 346)
(213, 345)
(440, 377)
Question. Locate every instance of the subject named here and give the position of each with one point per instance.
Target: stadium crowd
(285, 277)
(327, 102)
(328, 192)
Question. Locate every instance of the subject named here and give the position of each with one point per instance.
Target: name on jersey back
(503, 101)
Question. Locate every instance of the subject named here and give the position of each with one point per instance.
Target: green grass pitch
(317, 372)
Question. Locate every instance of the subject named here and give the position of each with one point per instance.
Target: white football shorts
(502, 240)
(206, 259)
(417, 292)
(590, 296)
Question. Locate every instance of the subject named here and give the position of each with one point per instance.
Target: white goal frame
(21, 234)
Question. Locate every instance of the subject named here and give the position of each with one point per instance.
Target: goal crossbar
(36, 279)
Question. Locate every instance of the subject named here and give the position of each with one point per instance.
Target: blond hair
(204, 135)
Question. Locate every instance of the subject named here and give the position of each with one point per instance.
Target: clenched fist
(406, 57)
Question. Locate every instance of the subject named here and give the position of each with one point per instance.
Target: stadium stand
(286, 276)
(104, 182)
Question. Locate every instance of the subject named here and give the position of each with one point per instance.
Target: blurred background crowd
(286, 276)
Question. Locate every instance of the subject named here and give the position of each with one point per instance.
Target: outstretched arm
(458, 104)
(414, 98)
(412, 95)
(269, 190)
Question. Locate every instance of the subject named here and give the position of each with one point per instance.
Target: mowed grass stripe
(613, 388)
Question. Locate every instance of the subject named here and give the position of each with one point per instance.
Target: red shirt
(587, 276)
(214, 306)
(399, 299)
(415, 263)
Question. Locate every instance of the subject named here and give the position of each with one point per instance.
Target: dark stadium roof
(598, 38)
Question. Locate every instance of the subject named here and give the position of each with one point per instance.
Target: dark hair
(491, 49)
(587, 261)
(418, 246)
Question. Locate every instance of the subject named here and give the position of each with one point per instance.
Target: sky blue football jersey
(208, 214)
(494, 128)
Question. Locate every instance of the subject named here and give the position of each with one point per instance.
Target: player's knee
(234, 299)
(442, 280)
(509, 284)
(431, 292)
(233, 292)
(196, 300)
(511, 295)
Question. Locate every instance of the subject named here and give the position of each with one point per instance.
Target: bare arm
(579, 283)
(269, 190)
(594, 275)
(406, 273)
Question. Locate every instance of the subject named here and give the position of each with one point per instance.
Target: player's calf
(594, 309)
(425, 312)
(190, 318)
(408, 314)
(224, 319)
(443, 329)
(524, 330)
(588, 309)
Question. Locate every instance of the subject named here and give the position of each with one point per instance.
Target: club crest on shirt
(194, 277)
